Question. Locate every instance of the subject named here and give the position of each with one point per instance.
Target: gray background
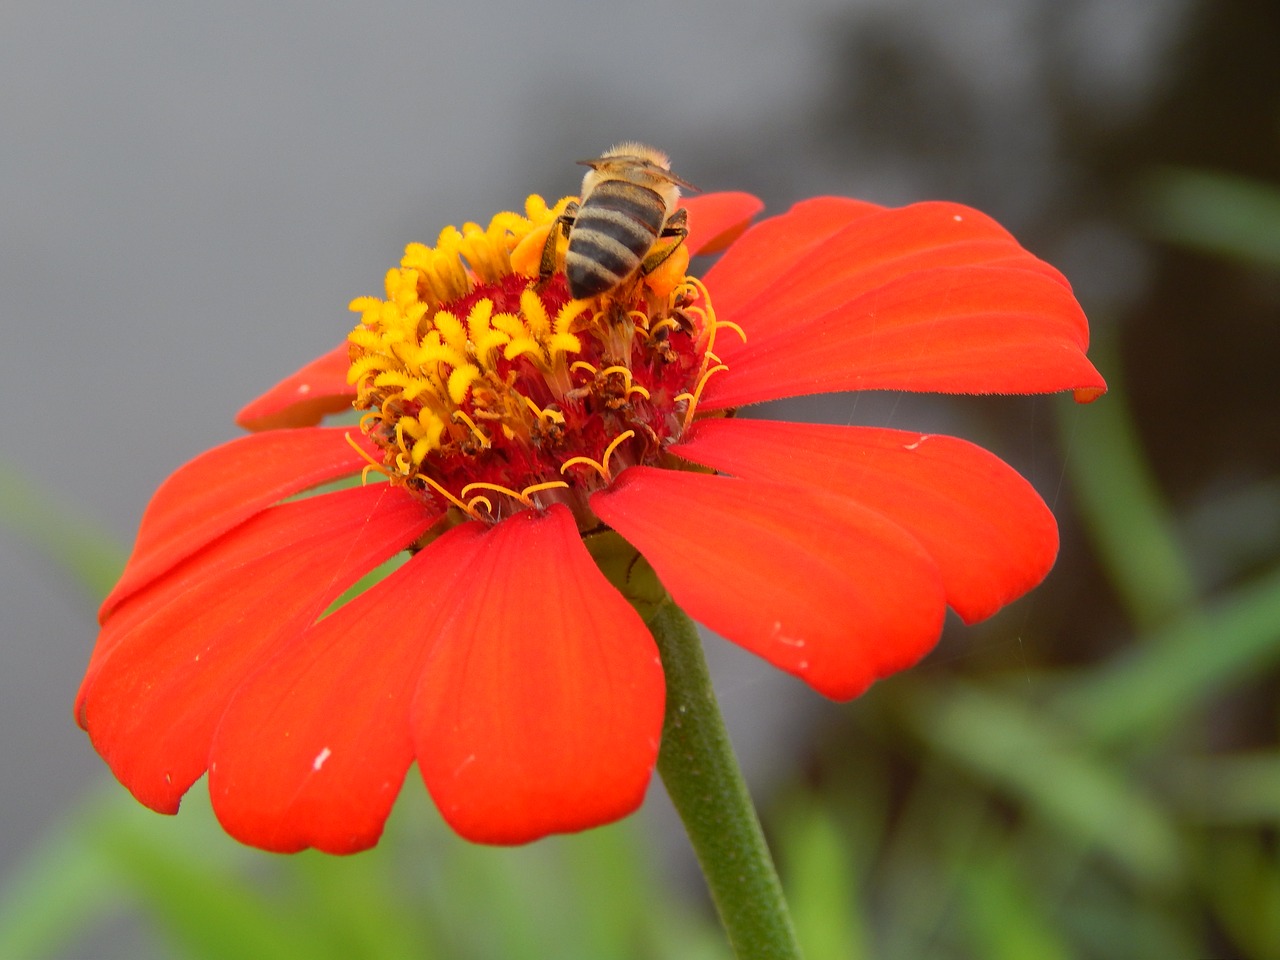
(190, 194)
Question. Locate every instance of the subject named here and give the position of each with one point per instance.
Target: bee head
(630, 160)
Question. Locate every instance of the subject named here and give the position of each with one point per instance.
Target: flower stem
(701, 774)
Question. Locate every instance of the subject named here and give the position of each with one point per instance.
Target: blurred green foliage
(1222, 214)
(1081, 812)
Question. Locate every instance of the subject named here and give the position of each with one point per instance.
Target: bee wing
(681, 182)
(651, 169)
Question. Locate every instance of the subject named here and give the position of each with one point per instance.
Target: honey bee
(616, 230)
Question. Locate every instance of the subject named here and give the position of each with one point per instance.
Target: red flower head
(510, 421)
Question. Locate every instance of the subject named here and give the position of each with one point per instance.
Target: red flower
(511, 421)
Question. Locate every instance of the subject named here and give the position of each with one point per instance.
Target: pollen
(488, 389)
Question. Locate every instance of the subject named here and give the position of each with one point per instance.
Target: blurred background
(190, 194)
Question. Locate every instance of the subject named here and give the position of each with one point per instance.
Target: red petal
(717, 219)
(314, 746)
(169, 660)
(224, 487)
(989, 532)
(934, 296)
(816, 584)
(540, 710)
(771, 249)
(304, 398)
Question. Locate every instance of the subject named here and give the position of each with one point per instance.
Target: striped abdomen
(614, 230)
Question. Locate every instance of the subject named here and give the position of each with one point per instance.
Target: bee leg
(559, 227)
(677, 227)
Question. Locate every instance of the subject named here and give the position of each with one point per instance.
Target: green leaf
(1119, 500)
(207, 908)
(360, 905)
(933, 835)
(85, 552)
(1222, 214)
(1243, 880)
(63, 887)
(1003, 915)
(821, 884)
(1164, 678)
(1052, 771)
(615, 894)
(1238, 789)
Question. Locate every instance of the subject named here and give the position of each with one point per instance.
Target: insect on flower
(513, 413)
(626, 224)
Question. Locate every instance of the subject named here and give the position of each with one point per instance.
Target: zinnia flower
(507, 425)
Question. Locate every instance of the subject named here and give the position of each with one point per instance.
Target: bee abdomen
(610, 236)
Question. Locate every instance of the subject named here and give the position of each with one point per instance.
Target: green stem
(701, 774)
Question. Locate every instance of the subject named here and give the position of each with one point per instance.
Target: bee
(617, 230)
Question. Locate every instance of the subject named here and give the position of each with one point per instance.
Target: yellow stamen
(665, 323)
(732, 326)
(459, 415)
(481, 498)
(534, 313)
(697, 394)
(373, 464)
(496, 488)
(711, 323)
(527, 347)
(553, 415)
(447, 367)
(465, 508)
(601, 466)
(569, 313)
(539, 487)
(460, 381)
(626, 373)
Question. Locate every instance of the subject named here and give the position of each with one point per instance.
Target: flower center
(491, 388)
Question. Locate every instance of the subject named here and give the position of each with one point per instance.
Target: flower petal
(814, 583)
(314, 746)
(224, 487)
(839, 295)
(989, 532)
(170, 658)
(776, 246)
(304, 398)
(540, 709)
(718, 219)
